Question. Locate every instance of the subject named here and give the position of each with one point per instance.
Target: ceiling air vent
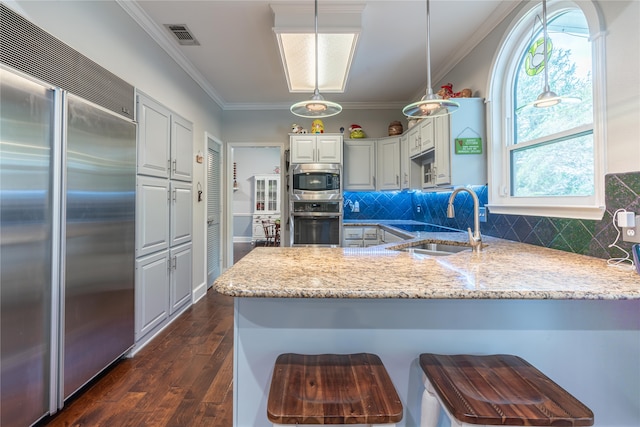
(182, 34)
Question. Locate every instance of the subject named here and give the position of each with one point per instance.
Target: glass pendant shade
(548, 98)
(430, 105)
(317, 107)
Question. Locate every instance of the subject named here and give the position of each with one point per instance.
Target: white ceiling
(238, 64)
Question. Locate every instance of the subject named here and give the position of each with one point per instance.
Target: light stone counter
(503, 270)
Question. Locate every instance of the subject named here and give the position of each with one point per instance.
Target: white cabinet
(359, 165)
(152, 292)
(266, 203)
(421, 137)
(152, 215)
(181, 258)
(163, 214)
(165, 142)
(164, 217)
(181, 212)
(360, 237)
(388, 169)
(163, 286)
(181, 149)
(316, 148)
(406, 169)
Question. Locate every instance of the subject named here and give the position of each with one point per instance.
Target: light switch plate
(483, 214)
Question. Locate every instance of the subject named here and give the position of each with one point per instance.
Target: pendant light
(317, 106)
(430, 105)
(548, 98)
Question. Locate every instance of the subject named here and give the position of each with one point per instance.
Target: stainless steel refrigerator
(67, 211)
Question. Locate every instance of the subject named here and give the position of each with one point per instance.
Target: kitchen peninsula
(571, 316)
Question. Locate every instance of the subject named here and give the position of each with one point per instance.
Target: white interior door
(214, 211)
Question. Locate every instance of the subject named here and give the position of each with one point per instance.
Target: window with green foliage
(547, 158)
(552, 154)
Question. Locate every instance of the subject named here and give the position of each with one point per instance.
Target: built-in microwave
(316, 181)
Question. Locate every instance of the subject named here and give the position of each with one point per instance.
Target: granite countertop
(503, 270)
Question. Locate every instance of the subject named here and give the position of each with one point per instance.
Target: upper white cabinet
(421, 137)
(359, 165)
(316, 148)
(165, 142)
(181, 149)
(406, 172)
(388, 168)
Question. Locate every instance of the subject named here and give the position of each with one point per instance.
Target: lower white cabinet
(180, 272)
(359, 237)
(163, 287)
(152, 292)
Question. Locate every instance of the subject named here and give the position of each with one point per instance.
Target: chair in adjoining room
(271, 233)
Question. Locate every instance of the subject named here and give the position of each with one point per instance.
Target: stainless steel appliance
(67, 214)
(316, 181)
(316, 223)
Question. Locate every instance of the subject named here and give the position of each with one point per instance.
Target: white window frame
(500, 118)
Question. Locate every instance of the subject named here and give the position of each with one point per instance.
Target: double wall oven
(316, 204)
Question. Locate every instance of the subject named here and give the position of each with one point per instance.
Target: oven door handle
(322, 215)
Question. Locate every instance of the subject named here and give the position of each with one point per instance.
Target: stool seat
(332, 389)
(501, 390)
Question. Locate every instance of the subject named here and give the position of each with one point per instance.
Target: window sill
(576, 212)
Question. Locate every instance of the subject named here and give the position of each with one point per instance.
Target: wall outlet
(483, 214)
(418, 208)
(632, 234)
(356, 207)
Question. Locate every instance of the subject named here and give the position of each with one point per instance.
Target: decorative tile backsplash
(573, 235)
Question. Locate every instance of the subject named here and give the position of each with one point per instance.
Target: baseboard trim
(199, 292)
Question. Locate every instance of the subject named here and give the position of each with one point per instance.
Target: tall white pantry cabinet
(164, 200)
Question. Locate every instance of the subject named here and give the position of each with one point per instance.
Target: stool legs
(430, 408)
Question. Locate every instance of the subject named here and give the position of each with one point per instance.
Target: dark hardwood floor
(181, 378)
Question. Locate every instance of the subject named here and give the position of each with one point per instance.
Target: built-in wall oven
(316, 222)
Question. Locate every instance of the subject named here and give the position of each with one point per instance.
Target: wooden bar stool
(495, 390)
(337, 389)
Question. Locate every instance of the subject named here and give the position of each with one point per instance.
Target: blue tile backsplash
(573, 235)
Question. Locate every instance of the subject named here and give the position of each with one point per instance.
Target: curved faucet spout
(475, 239)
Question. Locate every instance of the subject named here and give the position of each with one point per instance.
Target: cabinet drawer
(352, 233)
(371, 233)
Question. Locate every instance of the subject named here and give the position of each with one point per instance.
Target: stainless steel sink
(435, 249)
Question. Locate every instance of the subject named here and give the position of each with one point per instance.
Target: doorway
(244, 162)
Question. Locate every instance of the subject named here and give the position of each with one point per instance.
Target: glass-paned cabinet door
(272, 194)
(267, 193)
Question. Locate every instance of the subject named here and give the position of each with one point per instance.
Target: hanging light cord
(317, 91)
(544, 41)
(429, 88)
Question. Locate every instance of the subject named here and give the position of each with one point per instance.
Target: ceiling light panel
(335, 53)
(338, 32)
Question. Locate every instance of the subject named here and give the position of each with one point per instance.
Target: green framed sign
(468, 145)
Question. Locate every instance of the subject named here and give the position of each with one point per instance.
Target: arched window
(548, 161)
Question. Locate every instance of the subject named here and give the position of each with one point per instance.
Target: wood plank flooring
(181, 378)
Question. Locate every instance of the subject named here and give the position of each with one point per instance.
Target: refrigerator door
(100, 229)
(26, 139)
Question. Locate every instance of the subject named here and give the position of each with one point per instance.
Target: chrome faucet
(475, 239)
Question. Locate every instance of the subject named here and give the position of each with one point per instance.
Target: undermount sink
(435, 249)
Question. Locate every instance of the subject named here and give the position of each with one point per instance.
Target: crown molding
(160, 36)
